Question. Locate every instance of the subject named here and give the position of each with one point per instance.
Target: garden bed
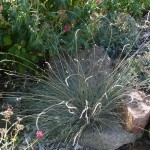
(67, 68)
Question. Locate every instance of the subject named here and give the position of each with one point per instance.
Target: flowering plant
(99, 1)
(9, 133)
(67, 28)
(39, 134)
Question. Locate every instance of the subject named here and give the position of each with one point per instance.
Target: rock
(77, 147)
(94, 59)
(95, 64)
(90, 63)
(109, 139)
(141, 147)
(90, 60)
(136, 112)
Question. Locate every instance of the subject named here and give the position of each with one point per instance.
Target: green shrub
(36, 30)
(141, 65)
(133, 7)
(117, 33)
(26, 19)
(13, 47)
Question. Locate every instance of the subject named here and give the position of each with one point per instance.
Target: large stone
(141, 147)
(95, 60)
(90, 61)
(136, 112)
(109, 139)
(93, 64)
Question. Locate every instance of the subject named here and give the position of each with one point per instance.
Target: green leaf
(16, 45)
(27, 64)
(21, 68)
(24, 50)
(17, 52)
(35, 59)
(12, 50)
(7, 40)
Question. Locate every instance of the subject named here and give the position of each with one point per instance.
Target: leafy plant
(21, 37)
(141, 64)
(26, 19)
(134, 8)
(14, 37)
(117, 33)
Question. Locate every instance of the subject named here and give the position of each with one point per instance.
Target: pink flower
(67, 28)
(99, 1)
(39, 134)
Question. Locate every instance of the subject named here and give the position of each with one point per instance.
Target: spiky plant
(77, 95)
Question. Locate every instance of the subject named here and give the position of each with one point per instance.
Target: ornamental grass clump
(76, 96)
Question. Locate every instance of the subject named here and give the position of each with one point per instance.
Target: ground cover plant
(69, 95)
